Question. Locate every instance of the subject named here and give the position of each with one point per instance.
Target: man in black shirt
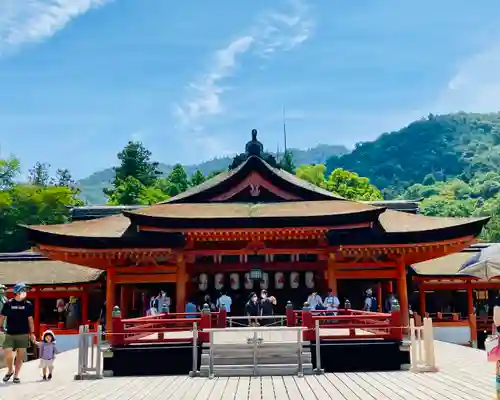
(252, 310)
(20, 330)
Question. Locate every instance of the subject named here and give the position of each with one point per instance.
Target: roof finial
(254, 147)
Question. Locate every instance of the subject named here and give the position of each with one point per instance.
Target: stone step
(262, 370)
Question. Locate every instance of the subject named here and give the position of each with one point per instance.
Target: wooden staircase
(256, 359)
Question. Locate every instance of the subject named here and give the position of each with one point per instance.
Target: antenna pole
(284, 125)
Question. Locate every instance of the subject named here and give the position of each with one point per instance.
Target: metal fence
(90, 353)
(264, 320)
(224, 338)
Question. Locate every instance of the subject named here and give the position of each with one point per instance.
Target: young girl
(48, 351)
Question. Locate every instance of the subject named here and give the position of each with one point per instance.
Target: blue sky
(79, 78)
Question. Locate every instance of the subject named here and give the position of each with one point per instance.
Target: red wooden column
(36, 316)
(380, 300)
(421, 298)
(110, 296)
(180, 289)
(85, 306)
(124, 299)
(390, 289)
(331, 278)
(470, 300)
(403, 293)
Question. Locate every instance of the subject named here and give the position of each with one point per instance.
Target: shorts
(46, 363)
(16, 341)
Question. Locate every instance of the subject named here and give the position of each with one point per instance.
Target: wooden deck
(464, 374)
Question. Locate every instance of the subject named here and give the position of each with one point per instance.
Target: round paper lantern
(264, 283)
(234, 279)
(248, 282)
(219, 281)
(203, 282)
(294, 280)
(309, 279)
(279, 280)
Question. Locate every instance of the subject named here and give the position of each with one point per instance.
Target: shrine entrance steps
(261, 359)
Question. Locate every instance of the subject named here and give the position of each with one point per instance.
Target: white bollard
(422, 347)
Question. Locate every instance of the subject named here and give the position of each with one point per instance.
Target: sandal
(16, 380)
(7, 376)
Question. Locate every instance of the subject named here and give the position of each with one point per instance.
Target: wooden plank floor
(464, 374)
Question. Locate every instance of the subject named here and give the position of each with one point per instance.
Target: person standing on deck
(370, 302)
(389, 302)
(164, 302)
(252, 310)
(266, 307)
(20, 330)
(332, 303)
(225, 301)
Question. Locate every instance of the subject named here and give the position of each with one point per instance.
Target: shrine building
(255, 226)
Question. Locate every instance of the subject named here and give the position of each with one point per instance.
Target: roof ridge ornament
(254, 147)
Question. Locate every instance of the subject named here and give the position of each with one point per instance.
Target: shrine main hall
(255, 226)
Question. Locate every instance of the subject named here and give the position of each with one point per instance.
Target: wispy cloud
(274, 31)
(29, 21)
(475, 86)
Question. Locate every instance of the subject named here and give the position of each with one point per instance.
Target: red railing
(161, 328)
(348, 324)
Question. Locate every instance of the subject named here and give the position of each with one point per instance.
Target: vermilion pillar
(421, 298)
(36, 316)
(331, 278)
(84, 299)
(110, 296)
(180, 290)
(403, 293)
(379, 296)
(470, 300)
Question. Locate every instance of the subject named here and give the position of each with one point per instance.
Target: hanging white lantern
(309, 279)
(264, 283)
(219, 281)
(279, 280)
(248, 282)
(203, 282)
(294, 280)
(234, 280)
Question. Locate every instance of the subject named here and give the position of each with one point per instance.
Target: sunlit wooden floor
(464, 374)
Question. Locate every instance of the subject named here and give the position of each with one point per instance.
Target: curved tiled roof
(39, 270)
(250, 164)
(250, 210)
(114, 226)
(400, 222)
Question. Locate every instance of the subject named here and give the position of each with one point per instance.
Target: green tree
(31, 205)
(9, 169)
(39, 175)
(351, 186)
(64, 178)
(135, 162)
(287, 163)
(314, 174)
(177, 181)
(197, 178)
